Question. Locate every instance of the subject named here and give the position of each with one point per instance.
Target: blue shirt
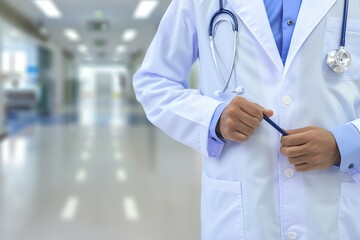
(282, 17)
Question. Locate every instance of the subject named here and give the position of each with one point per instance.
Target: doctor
(256, 183)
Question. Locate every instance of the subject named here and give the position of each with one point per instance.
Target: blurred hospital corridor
(78, 158)
(103, 173)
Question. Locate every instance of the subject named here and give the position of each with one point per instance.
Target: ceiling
(77, 13)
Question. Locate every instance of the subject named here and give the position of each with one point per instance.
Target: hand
(240, 119)
(310, 148)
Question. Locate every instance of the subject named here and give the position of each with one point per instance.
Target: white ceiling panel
(77, 13)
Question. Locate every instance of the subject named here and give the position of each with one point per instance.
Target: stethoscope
(338, 60)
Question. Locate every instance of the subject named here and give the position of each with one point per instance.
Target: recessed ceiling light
(131, 209)
(121, 49)
(14, 33)
(81, 176)
(82, 48)
(99, 14)
(129, 35)
(72, 35)
(145, 9)
(70, 208)
(48, 8)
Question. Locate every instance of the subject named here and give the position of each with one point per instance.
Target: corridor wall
(2, 97)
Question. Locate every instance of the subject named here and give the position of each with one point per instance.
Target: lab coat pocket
(332, 41)
(349, 211)
(221, 209)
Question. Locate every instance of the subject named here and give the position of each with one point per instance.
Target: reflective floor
(105, 174)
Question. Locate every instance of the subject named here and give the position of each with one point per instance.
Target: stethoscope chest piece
(338, 60)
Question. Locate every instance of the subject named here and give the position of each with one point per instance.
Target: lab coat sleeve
(348, 140)
(161, 83)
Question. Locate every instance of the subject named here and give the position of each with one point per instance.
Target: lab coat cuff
(348, 140)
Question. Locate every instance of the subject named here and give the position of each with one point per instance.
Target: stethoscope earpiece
(239, 90)
(217, 93)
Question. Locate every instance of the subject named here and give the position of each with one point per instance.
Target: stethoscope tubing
(227, 81)
(344, 23)
(212, 27)
(221, 10)
(235, 26)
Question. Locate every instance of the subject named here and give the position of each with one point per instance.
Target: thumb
(268, 112)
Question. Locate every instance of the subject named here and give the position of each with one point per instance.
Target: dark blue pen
(266, 118)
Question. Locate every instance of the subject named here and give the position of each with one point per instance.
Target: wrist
(217, 129)
(337, 155)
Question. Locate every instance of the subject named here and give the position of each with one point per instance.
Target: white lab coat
(249, 190)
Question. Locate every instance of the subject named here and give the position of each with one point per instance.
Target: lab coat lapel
(311, 13)
(254, 16)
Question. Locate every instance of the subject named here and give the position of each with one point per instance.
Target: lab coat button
(287, 100)
(292, 235)
(289, 172)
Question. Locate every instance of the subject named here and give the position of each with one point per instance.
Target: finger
(250, 121)
(295, 139)
(303, 167)
(295, 151)
(238, 126)
(299, 160)
(244, 128)
(253, 110)
(309, 167)
(237, 136)
(299, 130)
(233, 125)
(268, 112)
